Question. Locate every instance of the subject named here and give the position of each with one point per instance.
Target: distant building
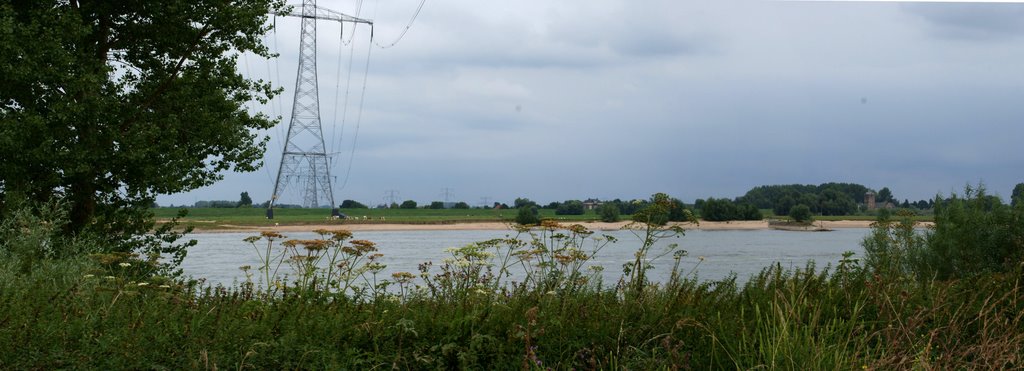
(591, 204)
(869, 200)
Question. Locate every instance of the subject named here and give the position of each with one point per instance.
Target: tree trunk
(83, 205)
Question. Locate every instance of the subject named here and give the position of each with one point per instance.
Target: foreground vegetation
(949, 298)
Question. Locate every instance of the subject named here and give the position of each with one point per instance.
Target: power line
(359, 112)
(407, 27)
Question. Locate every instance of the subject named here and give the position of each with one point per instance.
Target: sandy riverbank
(497, 226)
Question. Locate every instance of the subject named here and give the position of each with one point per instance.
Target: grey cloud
(695, 98)
(971, 21)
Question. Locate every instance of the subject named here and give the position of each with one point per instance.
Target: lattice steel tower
(304, 158)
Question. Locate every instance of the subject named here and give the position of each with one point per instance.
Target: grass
(460, 314)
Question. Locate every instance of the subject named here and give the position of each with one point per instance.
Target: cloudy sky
(556, 100)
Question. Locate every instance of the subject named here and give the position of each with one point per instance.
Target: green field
(220, 218)
(209, 218)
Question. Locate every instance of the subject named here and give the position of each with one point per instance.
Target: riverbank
(498, 226)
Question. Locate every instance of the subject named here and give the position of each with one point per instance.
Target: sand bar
(498, 226)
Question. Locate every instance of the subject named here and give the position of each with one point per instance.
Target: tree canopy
(104, 105)
(1017, 197)
(826, 198)
(570, 207)
(353, 204)
(244, 200)
(721, 209)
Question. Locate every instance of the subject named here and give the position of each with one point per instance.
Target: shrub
(570, 207)
(609, 212)
(894, 248)
(527, 216)
(749, 212)
(352, 204)
(800, 213)
(718, 209)
(974, 234)
(679, 212)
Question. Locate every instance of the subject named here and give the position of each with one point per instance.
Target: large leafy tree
(105, 104)
(1017, 197)
(884, 195)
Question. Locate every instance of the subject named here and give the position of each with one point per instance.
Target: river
(711, 254)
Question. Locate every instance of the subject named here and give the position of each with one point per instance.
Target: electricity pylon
(304, 158)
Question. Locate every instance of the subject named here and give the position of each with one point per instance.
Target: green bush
(608, 212)
(894, 249)
(800, 213)
(352, 204)
(570, 207)
(974, 234)
(528, 215)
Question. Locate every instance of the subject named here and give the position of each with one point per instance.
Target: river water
(218, 256)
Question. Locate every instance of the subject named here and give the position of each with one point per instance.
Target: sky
(574, 99)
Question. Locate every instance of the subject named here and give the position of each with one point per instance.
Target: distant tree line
(823, 199)
(407, 204)
(722, 209)
(608, 211)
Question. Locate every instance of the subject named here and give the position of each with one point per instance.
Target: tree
(527, 216)
(407, 204)
(679, 212)
(749, 212)
(352, 204)
(884, 195)
(718, 209)
(104, 105)
(244, 200)
(1017, 196)
(553, 205)
(460, 205)
(782, 206)
(800, 213)
(834, 202)
(523, 202)
(609, 212)
(436, 205)
(570, 207)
